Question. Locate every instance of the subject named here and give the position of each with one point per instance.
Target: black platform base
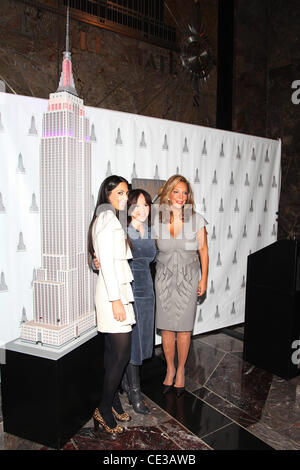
(47, 400)
(272, 320)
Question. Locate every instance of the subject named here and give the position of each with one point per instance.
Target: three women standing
(180, 235)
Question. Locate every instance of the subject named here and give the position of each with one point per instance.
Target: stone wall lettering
(26, 24)
(158, 62)
(89, 42)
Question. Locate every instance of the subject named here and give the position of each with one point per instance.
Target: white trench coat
(115, 275)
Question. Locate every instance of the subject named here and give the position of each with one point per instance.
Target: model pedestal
(47, 396)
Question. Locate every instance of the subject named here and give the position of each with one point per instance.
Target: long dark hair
(133, 196)
(107, 186)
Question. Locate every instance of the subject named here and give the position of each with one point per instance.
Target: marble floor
(228, 404)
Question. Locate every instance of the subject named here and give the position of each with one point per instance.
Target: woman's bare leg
(183, 346)
(168, 343)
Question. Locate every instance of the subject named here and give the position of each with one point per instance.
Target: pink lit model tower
(63, 304)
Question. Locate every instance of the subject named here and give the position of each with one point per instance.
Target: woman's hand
(96, 262)
(118, 310)
(202, 287)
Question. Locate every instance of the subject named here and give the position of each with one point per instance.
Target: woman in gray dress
(181, 235)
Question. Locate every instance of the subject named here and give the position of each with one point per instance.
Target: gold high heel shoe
(99, 420)
(121, 417)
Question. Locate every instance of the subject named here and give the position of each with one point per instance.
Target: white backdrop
(235, 178)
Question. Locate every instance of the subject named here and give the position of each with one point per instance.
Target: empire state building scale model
(63, 303)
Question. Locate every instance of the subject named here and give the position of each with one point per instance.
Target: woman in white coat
(113, 298)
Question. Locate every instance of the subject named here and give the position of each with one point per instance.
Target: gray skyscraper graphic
(63, 306)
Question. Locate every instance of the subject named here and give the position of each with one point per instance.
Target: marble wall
(114, 71)
(267, 53)
(283, 112)
(250, 68)
(111, 70)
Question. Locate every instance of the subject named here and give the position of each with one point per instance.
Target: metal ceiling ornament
(196, 53)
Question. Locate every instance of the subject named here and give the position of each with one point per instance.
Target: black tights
(116, 357)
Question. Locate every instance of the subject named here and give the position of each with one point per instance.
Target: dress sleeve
(104, 247)
(200, 221)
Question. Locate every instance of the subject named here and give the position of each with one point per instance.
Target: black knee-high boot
(131, 384)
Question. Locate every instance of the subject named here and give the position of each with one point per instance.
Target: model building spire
(66, 79)
(68, 29)
(63, 305)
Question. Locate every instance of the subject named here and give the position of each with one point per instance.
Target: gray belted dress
(177, 275)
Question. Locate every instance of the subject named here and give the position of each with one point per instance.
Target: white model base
(57, 336)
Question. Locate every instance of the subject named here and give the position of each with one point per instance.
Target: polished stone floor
(228, 404)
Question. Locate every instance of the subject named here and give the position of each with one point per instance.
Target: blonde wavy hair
(164, 195)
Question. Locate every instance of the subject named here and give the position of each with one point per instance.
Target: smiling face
(141, 209)
(118, 197)
(179, 195)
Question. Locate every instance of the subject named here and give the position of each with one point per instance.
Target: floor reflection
(228, 404)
